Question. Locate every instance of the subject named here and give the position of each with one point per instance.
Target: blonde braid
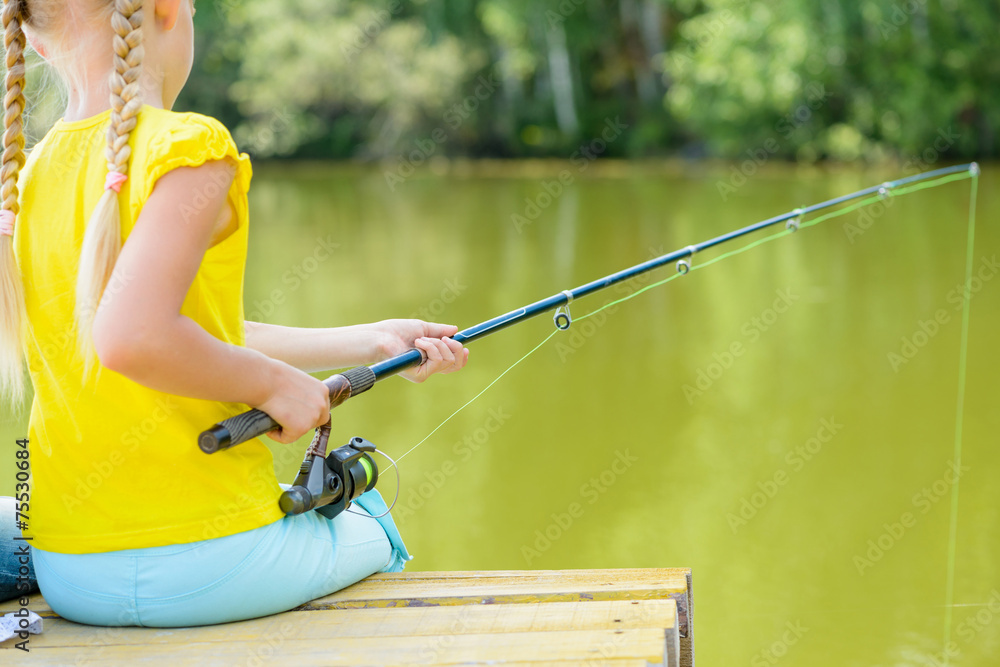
(102, 240)
(11, 285)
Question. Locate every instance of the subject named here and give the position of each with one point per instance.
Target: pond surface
(782, 422)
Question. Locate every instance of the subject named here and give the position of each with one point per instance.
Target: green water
(745, 420)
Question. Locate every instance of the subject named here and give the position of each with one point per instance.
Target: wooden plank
(687, 639)
(567, 646)
(515, 586)
(416, 590)
(36, 604)
(636, 573)
(673, 578)
(625, 662)
(380, 622)
(422, 588)
(544, 582)
(611, 662)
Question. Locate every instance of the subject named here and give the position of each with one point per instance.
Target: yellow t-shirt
(116, 465)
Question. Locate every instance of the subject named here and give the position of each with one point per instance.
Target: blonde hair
(102, 238)
(11, 286)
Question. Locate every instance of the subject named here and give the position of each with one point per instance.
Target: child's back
(117, 440)
(126, 298)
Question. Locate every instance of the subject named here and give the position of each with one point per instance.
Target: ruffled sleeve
(190, 140)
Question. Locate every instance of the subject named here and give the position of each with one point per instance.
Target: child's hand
(444, 355)
(298, 401)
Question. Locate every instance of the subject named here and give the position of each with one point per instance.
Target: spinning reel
(329, 483)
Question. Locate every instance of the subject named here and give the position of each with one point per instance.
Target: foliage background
(810, 80)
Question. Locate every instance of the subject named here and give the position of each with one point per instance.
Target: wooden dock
(564, 617)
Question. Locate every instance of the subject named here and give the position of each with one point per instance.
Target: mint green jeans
(259, 572)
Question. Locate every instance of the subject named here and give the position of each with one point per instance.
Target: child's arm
(314, 350)
(140, 333)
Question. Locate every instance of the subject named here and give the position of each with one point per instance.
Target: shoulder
(161, 123)
(166, 140)
(164, 128)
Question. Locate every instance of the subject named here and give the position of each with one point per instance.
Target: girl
(126, 297)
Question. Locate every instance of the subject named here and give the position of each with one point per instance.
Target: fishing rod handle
(254, 423)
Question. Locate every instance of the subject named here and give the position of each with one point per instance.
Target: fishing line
(793, 226)
(394, 499)
(471, 400)
(689, 266)
(963, 353)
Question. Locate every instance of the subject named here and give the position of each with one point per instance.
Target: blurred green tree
(836, 79)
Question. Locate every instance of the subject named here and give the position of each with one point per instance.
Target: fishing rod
(350, 383)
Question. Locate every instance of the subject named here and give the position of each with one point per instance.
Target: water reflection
(538, 487)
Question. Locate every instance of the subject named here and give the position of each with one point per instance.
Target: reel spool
(330, 483)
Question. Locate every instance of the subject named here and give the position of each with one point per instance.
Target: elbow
(124, 350)
(115, 355)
